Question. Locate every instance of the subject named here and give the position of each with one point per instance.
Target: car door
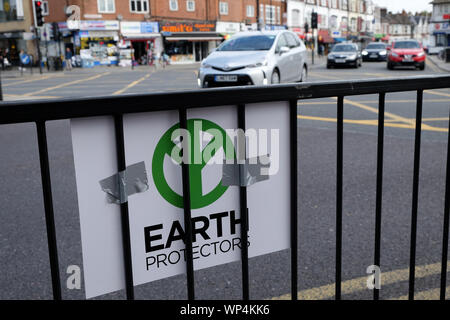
(295, 57)
(282, 58)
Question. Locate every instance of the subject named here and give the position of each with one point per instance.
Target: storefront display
(188, 42)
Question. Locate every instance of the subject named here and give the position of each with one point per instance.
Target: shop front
(11, 43)
(189, 42)
(143, 38)
(95, 41)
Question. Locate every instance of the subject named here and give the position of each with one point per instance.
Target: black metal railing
(42, 111)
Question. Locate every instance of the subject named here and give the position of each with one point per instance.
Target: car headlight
(394, 54)
(352, 57)
(364, 53)
(421, 54)
(258, 64)
(383, 53)
(205, 65)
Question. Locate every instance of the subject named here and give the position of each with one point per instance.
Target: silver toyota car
(255, 58)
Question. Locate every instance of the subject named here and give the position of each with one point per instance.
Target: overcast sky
(408, 5)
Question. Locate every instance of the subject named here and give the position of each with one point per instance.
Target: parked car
(344, 54)
(255, 58)
(375, 51)
(406, 53)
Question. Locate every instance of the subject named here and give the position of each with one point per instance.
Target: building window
(310, 1)
(250, 11)
(344, 4)
(334, 4)
(106, 6)
(139, 6)
(323, 3)
(190, 5)
(173, 5)
(296, 17)
(223, 8)
(270, 15)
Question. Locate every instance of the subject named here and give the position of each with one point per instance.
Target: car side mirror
(388, 48)
(284, 50)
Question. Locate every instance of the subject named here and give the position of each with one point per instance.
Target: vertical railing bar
(339, 181)
(48, 206)
(294, 194)
(415, 195)
(243, 210)
(446, 222)
(379, 187)
(124, 213)
(187, 210)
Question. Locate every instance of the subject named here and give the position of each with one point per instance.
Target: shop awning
(141, 35)
(194, 36)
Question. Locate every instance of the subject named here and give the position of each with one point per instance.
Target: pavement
(23, 250)
(441, 64)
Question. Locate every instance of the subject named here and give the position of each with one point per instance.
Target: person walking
(68, 59)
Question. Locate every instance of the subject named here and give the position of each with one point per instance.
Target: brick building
(187, 30)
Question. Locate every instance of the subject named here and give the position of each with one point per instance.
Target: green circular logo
(197, 157)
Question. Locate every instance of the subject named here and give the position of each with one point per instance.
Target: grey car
(255, 58)
(344, 54)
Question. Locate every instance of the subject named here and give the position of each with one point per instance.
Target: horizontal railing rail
(47, 110)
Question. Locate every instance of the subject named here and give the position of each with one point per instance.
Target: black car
(344, 54)
(375, 51)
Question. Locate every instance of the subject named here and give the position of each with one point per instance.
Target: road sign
(156, 215)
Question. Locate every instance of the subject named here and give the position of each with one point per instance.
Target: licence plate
(225, 78)
(408, 60)
(373, 55)
(340, 60)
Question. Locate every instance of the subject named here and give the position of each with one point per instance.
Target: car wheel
(422, 67)
(275, 77)
(304, 75)
(390, 66)
(328, 66)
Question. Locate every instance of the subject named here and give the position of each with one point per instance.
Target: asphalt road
(24, 267)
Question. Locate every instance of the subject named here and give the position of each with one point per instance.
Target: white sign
(228, 27)
(156, 215)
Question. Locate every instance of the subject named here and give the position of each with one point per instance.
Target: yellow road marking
(306, 103)
(29, 80)
(131, 85)
(20, 97)
(62, 85)
(433, 294)
(360, 284)
(388, 123)
(314, 74)
(437, 93)
(411, 122)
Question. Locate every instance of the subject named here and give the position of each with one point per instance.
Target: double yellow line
(360, 284)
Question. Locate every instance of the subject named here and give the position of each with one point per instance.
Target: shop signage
(228, 27)
(169, 26)
(156, 214)
(93, 25)
(136, 27)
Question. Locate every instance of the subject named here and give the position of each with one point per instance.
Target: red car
(406, 53)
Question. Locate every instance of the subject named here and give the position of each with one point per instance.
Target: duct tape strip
(252, 171)
(125, 183)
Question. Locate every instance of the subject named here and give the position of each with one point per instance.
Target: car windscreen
(343, 48)
(248, 43)
(376, 46)
(406, 45)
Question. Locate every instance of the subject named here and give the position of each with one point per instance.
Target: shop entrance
(141, 50)
(201, 50)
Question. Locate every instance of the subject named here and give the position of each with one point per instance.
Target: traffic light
(55, 31)
(306, 27)
(38, 13)
(314, 20)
